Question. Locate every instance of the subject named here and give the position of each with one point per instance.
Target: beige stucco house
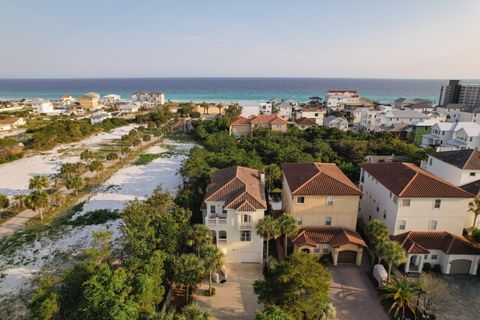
(244, 126)
(324, 203)
(234, 203)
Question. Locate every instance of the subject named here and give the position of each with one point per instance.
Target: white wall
(452, 174)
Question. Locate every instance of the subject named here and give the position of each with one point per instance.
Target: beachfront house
(408, 198)
(336, 99)
(336, 122)
(11, 123)
(150, 99)
(66, 100)
(42, 106)
(453, 254)
(111, 99)
(324, 202)
(315, 113)
(244, 126)
(129, 108)
(89, 100)
(234, 203)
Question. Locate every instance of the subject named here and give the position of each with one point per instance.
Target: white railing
(215, 221)
(245, 226)
(221, 240)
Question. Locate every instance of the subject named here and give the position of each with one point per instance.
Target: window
(433, 225)
(472, 174)
(402, 224)
(406, 203)
(212, 209)
(299, 220)
(317, 249)
(434, 257)
(425, 256)
(328, 221)
(300, 199)
(325, 250)
(437, 203)
(246, 236)
(222, 235)
(246, 218)
(329, 201)
(430, 161)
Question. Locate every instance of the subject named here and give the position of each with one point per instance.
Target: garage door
(347, 257)
(460, 266)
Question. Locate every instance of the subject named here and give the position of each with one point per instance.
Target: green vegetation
(299, 286)
(273, 313)
(4, 202)
(161, 249)
(147, 158)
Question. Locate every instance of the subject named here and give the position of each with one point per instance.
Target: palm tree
(268, 229)
(220, 107)
(68, 169)
(402, 293)
(378, 231)
(20, 200)
(87, 155)
(75, 182)
(57, 199)
(193, 312)
(474, 207)
(287, 227)
(37, 201)
(97, 166)
(199, 237)
(188, 271)
(38, 183)
(393, 253)
(213, 260)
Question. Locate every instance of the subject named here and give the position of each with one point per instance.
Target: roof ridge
(472, 152)
(222, 187)
(409, 182)
(346, 185)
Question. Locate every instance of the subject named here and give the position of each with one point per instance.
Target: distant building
(458, 92)
(413, 104)
(336, 99)
(66, 100)
(304, 123)
(336, 122)
(149, 99)
(99, 117)
(422, 128)
(267, 107)
(11, 123)
(42, 106)
(89, 100)
(129, 108)
(383, 159)
(285, 109)
(245, 126)
(111, 99)
(315, 113)
(453, 136)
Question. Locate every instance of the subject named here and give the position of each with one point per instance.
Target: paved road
(353, 295)
(235, 298)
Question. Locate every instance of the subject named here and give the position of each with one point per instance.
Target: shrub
(4, 202)
(112, 156)
(95, 217)
(476, 235)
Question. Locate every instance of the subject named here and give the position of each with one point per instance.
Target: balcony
(215, 221)
(245, 226)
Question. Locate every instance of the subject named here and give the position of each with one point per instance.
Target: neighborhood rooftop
(466, 159)
(239, 187)
(420, 242)
(408, 180)
(335, 236)
(318, 179)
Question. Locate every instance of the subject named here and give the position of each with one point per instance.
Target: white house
(376, 120)
(42, 106)
(129, 108)
(407, 198)
(99, 117)
(234, 203)
(66, 100)
(335, 99)
(285, 109)
(11, 123)
(454, 254)
(111, 99)
(266, 107)
(149, 99)
(336, 122)
(453, 136)
(317, 114)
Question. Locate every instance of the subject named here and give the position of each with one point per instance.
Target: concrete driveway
(353, 295)
(235, 298)
(463, 293)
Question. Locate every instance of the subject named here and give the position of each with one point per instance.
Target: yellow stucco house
(245, 126)
(89, 100)
(324, 203)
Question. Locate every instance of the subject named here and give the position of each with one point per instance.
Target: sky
(248, 38)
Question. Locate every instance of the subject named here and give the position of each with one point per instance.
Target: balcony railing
(215, 221)
(245, 226)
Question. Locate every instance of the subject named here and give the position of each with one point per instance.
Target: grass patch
(147, 158)
(95, 217)
(180, 137)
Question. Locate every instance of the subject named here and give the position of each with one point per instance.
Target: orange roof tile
(420, 242)
(335, 236)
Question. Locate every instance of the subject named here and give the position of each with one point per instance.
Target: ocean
(222, 89)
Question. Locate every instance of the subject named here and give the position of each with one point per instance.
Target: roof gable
(467, 159)
(420, 242)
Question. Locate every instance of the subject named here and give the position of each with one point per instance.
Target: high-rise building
(458, 92)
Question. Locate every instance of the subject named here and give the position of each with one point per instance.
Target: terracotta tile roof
(238, 187)
(10, 120)
(305, 122)
(467, 159)
(318, 179)
(421, 242)
(261, 119)
(408, 180)
(335, 236)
